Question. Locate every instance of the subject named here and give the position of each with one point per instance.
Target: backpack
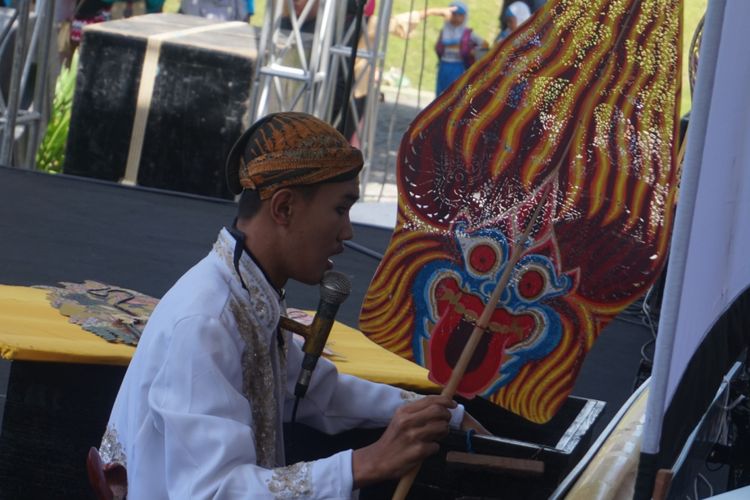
(466, 47)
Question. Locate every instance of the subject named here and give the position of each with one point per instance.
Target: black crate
(199, 105)
(52, 414)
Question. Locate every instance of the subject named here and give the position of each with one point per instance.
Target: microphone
(334, 289)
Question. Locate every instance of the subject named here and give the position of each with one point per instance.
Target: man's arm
(404, 24)
(204, 420)
(412, 436)
(336, 402)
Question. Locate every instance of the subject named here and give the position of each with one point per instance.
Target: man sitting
(200, 410)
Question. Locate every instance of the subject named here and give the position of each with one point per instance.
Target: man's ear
(282, 205)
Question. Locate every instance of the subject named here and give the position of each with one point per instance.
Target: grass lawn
(483, 18)
(421, 58)
(420, 63)
(694, 10)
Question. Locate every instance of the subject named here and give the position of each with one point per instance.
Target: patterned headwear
(289, 149)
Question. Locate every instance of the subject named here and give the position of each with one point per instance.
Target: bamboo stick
(449, 390)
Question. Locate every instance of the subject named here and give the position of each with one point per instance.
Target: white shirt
(201, 408)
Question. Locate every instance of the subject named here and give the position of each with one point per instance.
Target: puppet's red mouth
(458, 312)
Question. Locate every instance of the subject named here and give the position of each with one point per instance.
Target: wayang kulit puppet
(577, 111)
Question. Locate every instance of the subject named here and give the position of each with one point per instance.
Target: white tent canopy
(709, 266)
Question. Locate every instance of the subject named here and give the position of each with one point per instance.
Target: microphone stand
(334, 289)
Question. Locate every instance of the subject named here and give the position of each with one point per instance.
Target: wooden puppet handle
(404, 485)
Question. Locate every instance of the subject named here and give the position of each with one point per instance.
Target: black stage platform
(61, 228)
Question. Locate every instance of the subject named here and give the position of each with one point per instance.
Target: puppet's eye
(532, 284)
(482, 258)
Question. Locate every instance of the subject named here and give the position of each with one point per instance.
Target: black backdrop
(62, 228)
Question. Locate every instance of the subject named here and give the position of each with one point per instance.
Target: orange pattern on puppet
(578, 110)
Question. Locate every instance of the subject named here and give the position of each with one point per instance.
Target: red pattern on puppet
(583, 96)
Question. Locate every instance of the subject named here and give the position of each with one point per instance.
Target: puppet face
(451, 295)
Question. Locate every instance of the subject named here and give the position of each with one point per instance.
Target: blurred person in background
(511, 17)
(455, 46)
(224, 10)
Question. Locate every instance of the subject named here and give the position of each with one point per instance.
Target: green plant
(51, 152)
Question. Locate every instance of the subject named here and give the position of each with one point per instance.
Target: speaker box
(159, 101)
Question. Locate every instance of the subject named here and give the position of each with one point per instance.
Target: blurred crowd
(458, 46)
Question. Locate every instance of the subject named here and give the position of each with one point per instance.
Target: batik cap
(460, 8)
(289, 149)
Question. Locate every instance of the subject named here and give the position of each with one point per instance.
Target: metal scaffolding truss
(292, 64)
(25, 43)
(370, 57)
(298, 70)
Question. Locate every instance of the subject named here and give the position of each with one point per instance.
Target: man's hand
(411, 437)
(404, 25)
(444, 12)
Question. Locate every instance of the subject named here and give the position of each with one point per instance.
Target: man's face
(457, 19)
(318, 229)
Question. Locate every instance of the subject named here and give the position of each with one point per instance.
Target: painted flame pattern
(581, 103)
